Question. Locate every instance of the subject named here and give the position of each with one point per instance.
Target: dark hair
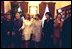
(48, 13)
(8, 13)
(57, 15)
(16, 13)
(28, 15)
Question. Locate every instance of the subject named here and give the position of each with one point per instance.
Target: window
(33, 10)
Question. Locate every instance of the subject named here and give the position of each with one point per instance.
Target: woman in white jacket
(37, 30)
(27, 29)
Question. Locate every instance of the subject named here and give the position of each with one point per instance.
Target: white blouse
(27, 27)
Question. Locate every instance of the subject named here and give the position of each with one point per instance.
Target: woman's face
(59, 16)
(37, 17)
(8, 17)
(47, 16)
(17, 16)
(27, 16)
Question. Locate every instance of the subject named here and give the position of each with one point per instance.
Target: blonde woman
(37, 29)
(27, 29)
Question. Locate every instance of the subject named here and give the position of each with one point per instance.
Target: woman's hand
(13, 33)
(8, 33)
(20, 29)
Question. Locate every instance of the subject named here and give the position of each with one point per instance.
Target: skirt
(26, 35)
(36, 37)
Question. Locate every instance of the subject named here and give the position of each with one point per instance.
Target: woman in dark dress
(57, 31)
(48, 30)
(6, 31)
(17, 34)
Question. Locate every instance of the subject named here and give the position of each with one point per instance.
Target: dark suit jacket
(66, 33)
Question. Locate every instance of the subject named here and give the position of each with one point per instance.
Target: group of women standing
(21, 31)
